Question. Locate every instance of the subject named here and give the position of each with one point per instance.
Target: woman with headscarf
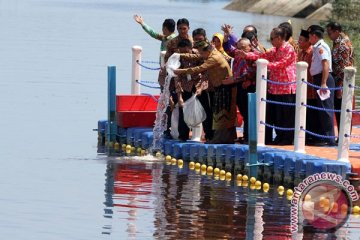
(217, 69)
(217, 42)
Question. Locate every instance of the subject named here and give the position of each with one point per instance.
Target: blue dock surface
(275, 165)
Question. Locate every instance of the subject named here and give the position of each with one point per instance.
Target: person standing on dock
(249, 31)
(256, 45)
(186, 86)
(305, 55)
(320, 70)
(183, 27)
(244, 76)
(168, 31)
(217, 42)
(243, 68)
(204, 90)
(224, 103)
(289, 35)
(342, 56)
(282, 60)
(199, 34)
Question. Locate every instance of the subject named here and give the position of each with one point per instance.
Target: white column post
(261, 89)
(136, 70)
(300, 110)
(346, 116)
(162, 59)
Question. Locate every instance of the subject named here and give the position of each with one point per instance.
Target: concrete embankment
(310, 9)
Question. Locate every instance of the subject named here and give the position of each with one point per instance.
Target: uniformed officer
(320, 70)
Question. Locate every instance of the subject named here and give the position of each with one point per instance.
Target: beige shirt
(216, 67)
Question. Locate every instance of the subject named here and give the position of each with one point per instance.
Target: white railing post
(346, 116)
(162, 59)
(261, 89)
(136, 70)
(300, 110)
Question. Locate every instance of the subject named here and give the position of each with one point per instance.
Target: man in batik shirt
(342, 56)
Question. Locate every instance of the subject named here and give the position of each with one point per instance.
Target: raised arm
(229, 46)
(148, 29)
(229, 43)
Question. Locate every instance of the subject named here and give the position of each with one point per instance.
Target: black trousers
(337, 105)
(311, 124)
(326, 119)
(242, 104)
(280, 116)
(205, 101)
(168, 112)
(182, 127)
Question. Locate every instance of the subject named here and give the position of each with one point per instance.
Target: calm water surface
(53, 185)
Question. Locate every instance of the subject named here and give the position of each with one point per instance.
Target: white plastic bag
(173, 63)
(194, 113)
(175, 123)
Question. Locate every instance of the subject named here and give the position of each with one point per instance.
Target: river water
(53, 184)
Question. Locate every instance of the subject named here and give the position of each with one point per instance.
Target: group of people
(221, 71)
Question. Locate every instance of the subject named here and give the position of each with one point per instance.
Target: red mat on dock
(139, 111)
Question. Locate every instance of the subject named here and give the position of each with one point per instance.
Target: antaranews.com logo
(322, 201)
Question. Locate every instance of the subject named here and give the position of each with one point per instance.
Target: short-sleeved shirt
(282, 66)
(321, 51)
(342, 56)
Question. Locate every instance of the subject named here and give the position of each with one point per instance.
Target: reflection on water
(166, 202)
